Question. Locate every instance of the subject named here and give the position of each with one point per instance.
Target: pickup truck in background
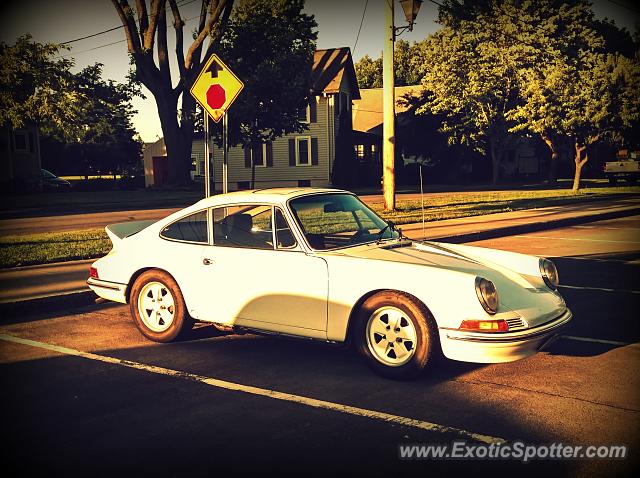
(626, 166)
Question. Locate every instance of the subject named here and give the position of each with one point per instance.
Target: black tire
(181, 323)
(426, 331)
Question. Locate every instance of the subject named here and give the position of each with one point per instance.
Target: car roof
(269, 196)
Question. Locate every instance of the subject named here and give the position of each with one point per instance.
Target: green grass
(91, 243)
(455, 205)
(53, 247)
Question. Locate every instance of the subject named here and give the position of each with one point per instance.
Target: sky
(58, 21)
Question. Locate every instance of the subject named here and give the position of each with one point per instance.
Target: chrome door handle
(207, 262)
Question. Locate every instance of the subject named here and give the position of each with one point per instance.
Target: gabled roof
(367, 111)
(330, 67)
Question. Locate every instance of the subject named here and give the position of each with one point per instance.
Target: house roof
(329, 69)
(367, 111)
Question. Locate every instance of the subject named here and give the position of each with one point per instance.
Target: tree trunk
(553, 164)
(178, 149)
(580, 161)
(495, 161)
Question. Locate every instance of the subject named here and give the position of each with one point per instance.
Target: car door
(258, 276)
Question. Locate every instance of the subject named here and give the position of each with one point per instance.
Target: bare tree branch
(215, 36)
(129, 23)
(143, 18)
(215, 10)
(163, 54)
(178, 26)
(156, 6)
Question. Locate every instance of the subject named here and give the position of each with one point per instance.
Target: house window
(304, 114)
(375, 152)
(20, 142)
(194, 164)
(303, 151)
(259, 155)
(360, 152)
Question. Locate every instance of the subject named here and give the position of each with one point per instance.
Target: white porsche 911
(319, 264)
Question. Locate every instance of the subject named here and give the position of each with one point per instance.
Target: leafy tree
(498, 68)
(262, 42)
(470, 69)
(406, 67)
(78, 111)
(369, 72)
(105, 138)
(586, 90)
(37, 88)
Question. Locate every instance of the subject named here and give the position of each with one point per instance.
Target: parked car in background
(51, 182)
(319, 264)
(626, 166)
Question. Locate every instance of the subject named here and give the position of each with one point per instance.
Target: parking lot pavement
(221, 401)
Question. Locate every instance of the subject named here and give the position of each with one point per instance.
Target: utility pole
(389, 108)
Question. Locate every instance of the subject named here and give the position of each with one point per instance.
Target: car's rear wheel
(157, 307)
(396, 334)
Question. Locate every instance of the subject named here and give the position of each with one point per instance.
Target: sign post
(215, 89)
(207, 158)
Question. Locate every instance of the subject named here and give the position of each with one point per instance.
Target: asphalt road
(112, 402)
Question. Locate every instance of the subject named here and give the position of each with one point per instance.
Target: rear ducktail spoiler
(117, 232)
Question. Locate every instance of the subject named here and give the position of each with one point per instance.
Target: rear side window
(192, 228)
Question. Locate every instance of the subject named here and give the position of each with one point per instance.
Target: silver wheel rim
(391, 336)
(156, 306)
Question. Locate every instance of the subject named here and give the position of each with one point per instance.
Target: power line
(364, 11)
(109, 44)
(186, 2)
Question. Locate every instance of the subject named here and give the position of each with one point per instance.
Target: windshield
(329, 221)
(48, 174)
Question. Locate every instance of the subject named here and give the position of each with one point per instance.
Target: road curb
(534, 226)
(48, 304)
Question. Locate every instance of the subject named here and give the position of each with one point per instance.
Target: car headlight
(487, 295)
(549, 273)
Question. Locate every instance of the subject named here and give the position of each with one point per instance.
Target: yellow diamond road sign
(216, 88)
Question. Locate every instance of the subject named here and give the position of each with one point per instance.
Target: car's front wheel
(158, 308)
(396, 334)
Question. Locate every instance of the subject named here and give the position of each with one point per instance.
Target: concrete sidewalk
(56, 282)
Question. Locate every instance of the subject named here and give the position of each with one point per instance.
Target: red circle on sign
(216, 96)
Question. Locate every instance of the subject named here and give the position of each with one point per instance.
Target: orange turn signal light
(485, 325)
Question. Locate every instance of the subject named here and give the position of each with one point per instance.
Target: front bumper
(501, 347)
(109, 290)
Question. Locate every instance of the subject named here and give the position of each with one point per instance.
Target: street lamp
(410, 8)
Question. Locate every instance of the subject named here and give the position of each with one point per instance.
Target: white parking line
(598, 341)
(287, 397)
(575, 239)
(601, 289)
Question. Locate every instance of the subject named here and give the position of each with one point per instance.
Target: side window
(243, 226)
(192, 228)
(284, 236)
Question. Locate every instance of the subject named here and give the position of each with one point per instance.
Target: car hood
(517, 292)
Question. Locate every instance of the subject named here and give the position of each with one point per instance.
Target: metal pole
(225, 151)
(389, 108)
(422, 202)
(207, 165)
